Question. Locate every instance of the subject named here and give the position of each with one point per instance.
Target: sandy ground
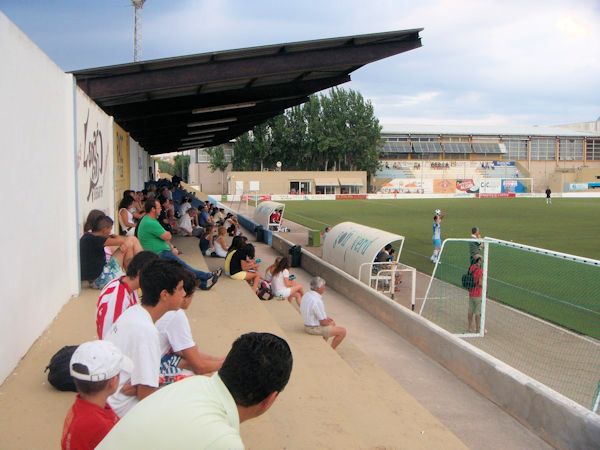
(333, 400)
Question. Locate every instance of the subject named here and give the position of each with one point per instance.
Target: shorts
(319, 330)
(239, 276)
(437, 243)
(285, 293)
(475, 306)
(169, 372)
(110, 271)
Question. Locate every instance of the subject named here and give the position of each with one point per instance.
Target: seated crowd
(146, 347)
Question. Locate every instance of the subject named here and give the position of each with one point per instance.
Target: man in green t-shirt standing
(156, 239)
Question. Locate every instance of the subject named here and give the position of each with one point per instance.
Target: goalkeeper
(437, 236)
(474, 312)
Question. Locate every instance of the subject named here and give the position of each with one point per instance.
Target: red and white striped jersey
(115, 298)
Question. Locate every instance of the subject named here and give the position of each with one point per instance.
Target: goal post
(539, 311)
(449, 302)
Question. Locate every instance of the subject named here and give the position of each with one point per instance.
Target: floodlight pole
(137, 29)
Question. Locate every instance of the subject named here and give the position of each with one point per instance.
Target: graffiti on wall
(91, 158)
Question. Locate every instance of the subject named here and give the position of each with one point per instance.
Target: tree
(165, 166)
(333, 131)
(182, 166)
(218, 162)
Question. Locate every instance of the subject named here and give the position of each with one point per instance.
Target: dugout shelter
(266, 214)
(350, 246)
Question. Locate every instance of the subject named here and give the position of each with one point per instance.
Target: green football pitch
(564, 293)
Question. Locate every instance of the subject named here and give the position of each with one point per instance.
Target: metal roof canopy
(210, 98)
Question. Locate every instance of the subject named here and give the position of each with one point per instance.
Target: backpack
(59, 374)
(468, 281)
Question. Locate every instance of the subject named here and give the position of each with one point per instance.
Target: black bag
(468, 281)
(59, 374)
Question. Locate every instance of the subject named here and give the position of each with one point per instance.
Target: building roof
(210, 98)
(483, 130)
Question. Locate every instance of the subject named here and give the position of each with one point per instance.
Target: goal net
(540, 311)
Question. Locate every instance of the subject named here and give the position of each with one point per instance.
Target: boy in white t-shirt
(137, 337)
(180, 352)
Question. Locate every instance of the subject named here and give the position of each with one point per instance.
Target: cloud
(481, 59)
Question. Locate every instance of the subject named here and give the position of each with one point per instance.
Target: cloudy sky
(483, 62)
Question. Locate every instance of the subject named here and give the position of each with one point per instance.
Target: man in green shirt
(156, 239)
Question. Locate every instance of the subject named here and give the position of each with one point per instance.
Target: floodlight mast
(137, 28)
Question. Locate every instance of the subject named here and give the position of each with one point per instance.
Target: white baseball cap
(102, 361)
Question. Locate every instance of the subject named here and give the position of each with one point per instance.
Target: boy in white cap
(95, 368)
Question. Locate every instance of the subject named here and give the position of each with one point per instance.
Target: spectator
(204, 219)
(231, 224)
(185, 205)
(243, 266)
(271, 268)
(313, 313)
(126, 220)
(120, 293)
(204, 412)
(95, 368)
(219, 244)
(188, 222)
(237, 243)
(475, 248)
(93, 215)
(155, 238)
(474, 312)
(179, 350)
(137, 337)
(282, 286)
(206, 240)
(167, 216)
(96, 267)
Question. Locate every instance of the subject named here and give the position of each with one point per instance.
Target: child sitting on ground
(95, 368)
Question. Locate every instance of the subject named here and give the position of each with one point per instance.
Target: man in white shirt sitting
(137, 337)
(315, 319)
(201, 412)
(178, 348)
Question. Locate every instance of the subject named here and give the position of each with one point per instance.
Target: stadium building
(564, 158)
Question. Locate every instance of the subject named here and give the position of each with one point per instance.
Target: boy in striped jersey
(120, 293)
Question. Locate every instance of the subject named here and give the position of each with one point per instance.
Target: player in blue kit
(437, 235)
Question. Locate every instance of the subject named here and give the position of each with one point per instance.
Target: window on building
(571, 150)
(543, 149)
(516, 149)
(325, 189)
(350, 189)
(593, 150)
(299, 187)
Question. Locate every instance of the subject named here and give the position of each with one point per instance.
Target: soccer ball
(437, 212)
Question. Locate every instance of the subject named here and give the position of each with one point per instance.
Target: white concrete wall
(139, 162)
(95, 174)
(39, 266)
